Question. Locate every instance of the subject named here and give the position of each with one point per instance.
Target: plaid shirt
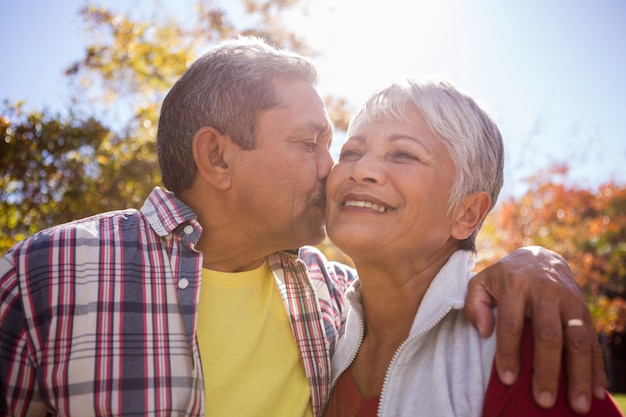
(98, 316)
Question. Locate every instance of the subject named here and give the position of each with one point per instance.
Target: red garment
(517, 400)
(500, 400)
(346, 400)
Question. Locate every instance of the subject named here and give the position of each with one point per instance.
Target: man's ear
(470, 213)
(210, 149)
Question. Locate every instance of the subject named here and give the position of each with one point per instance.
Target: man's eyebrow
(325, 127)
(312, 127)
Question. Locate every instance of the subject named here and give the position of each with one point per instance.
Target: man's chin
(319, 239)
(315, 236)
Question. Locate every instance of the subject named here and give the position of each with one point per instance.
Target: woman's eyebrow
(397, 137)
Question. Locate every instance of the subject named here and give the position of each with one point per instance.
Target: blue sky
(552, 72)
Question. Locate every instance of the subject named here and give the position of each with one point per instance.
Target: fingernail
(582, 404)
(545, 399)
(600, 393)
(508, 377)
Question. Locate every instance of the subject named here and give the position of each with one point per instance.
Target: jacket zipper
(399, 351)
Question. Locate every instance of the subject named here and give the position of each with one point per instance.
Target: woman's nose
(368, 169)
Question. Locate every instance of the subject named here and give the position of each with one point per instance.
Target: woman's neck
(390, 299)
(391, 296)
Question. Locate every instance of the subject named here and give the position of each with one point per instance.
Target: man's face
(281, 183)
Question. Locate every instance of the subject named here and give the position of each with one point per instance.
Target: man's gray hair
(226, 89)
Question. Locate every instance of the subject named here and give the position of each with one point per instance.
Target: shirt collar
(166, 214)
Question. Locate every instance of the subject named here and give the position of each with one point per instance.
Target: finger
(478, 307)
(579, 364)
(598, 372)
(581, 385)
(600, 381)
(585, 365)
(548, 349)
(509, 326)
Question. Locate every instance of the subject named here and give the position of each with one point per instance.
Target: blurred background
(81, 85)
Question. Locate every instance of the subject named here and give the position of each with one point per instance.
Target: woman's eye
(405, 156)
(348, 154)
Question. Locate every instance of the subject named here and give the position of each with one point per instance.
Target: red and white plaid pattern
(98, 316)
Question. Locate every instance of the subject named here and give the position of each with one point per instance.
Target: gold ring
(574, 323)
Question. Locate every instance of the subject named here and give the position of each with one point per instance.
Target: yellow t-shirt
(250, 360)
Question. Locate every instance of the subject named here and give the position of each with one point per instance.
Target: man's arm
(18, 376)
(537, 283)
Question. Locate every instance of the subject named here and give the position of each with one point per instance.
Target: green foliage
(139, 58)
(620, 400)
(56, 169)
(44, 162)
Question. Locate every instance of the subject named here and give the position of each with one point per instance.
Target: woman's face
(389, 190)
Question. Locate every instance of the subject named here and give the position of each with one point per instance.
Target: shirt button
(183, 283)
(188, 229)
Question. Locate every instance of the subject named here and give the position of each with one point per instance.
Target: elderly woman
(422, 167)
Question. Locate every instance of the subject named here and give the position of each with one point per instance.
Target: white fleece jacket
(443, 367)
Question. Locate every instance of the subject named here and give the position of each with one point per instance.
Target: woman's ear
(470, 213)
(210, 149)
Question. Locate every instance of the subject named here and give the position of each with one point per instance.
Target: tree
(588, 227)
(58, 168)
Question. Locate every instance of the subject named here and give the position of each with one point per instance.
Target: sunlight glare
(375, 43)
